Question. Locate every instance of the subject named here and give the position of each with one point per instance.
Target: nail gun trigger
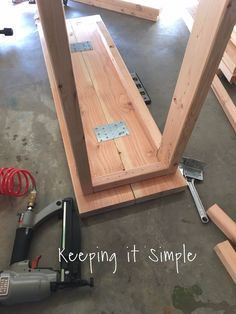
(34, 263)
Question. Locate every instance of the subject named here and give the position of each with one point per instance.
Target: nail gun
(24, 281)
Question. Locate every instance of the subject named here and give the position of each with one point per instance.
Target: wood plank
(227, 73)
(94, 202)
(222, 95)
(227, 255)
(142, 111)
(226, 102)
(211, 32)
(137, 151)
(107, 157)
(159, 187)
(229, 57)
(223, 222)
(155, 187)
(52, 18)
(148, 9)
(233, 38)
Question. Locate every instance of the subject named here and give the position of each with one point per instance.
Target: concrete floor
(30, 138)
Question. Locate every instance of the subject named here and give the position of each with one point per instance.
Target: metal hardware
(81, 46)
(111, 131)
(141, 88)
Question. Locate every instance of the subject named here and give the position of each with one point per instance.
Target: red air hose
(16, 182)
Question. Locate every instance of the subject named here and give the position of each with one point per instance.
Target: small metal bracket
(111, 131)
(81, 46)
(141, 88)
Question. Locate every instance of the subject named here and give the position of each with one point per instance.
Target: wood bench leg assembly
(92, 87)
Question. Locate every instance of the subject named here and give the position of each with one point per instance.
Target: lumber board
(119, 100)
(226, 102)
(229, 57)
(227, 255)
(52, 15)
(114, 198)
(95, 201)
(222, 95)
(231, 78)
(233, 38)
(149, 9)
(210, 34)
(223, 222)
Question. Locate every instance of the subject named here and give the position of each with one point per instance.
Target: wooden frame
(161, 153)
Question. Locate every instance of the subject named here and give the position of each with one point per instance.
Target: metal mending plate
(81, 46)
(111, 131)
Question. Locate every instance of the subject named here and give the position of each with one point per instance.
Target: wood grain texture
(149, 9)
(119, 100)
(100, 202)
(221, 93)
(210, 34)
(227, 255)
(55, 32)
(107, 157)
(229, 57)
(158, 187)
(223, 222)
(94, 202)
(226, 102)
(231, 78)
(233, 38)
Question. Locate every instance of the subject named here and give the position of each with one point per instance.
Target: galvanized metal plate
(81, 46)
(111, 131)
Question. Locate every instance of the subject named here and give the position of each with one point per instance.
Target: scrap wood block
(229, 57)
(231, 78)
(120, 196)
(233, 36)
(223, 222)
(149, 9)
(227, 255)
(226, 102)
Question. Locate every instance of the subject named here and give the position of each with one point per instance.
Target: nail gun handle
(21, 245)
(198, 202)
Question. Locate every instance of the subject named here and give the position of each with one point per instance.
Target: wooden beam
(229, 57)
(223, 222)
(210, 34)
(226, 102)
(149, 9)
(227, 255)
(231, 78)
(53, 23)
(221, 93)
(233, 38)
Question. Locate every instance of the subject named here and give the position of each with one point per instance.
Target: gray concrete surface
(30, 138)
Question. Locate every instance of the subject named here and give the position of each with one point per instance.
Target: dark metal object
(25, 281)
(6, 31)
(141, 88)
(193, 170)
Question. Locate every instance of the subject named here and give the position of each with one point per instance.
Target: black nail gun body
(25, 281)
